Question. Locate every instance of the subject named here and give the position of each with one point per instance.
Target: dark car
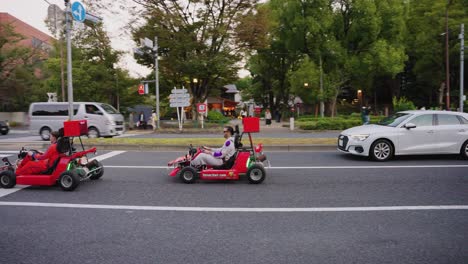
(4, 128)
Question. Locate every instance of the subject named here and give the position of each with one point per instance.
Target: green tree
(197, 40)
(20, 71)
(425, 43)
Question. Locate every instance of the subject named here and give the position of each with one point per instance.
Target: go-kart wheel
(256, 174)
(69, 180)
(7, 179)
(188, 175)
(99, 172)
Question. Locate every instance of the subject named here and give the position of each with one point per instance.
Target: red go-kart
(68, 170)
(246, 161)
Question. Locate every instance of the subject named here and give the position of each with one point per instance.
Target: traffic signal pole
(156, 78)
(69, 60)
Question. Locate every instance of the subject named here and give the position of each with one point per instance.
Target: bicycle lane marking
(5, 192)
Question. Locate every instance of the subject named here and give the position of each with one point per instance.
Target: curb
(41, 145)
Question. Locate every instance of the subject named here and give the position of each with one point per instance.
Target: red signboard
(141, 89)
(201, 108)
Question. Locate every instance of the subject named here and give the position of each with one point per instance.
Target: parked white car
(415, 132)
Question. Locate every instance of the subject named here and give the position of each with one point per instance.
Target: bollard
(291, 123)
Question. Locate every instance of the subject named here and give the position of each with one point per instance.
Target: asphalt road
(26, 136)
(314, 207)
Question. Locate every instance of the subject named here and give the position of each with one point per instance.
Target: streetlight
(359, 95)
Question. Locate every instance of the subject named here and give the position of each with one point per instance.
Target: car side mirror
(98, 113)
(410, 125)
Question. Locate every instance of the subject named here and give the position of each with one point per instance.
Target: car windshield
(394, 120)
(109, 109)
(2, 123)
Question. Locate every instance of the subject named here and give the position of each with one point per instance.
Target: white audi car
(409, 133)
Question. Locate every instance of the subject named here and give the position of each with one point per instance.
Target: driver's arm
(46, 155)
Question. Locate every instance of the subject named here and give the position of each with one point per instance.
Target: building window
(36, 43)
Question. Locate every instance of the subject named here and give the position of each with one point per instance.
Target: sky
(34, 13)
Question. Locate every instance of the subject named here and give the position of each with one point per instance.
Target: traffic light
(141, 89)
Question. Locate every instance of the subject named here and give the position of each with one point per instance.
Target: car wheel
(45, 133)
(99, 172)
(381, 150)
(464, 150)
(93, 132)
(7, 179)
(69, 180)
(4, 133)
(256, 174)
(188, 175)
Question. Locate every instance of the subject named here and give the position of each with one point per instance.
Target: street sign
(184, 104)
(141, 89)
(178, 91)
(92, 18)
(174, 96)
(201, 108)
(78, 12)
(179, 100)
(56, 17)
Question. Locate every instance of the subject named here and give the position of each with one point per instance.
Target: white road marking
(108, 155)
(3, 155)
(240, 209)
(5, 192)
(312, 167)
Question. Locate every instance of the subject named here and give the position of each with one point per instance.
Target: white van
(103, 119)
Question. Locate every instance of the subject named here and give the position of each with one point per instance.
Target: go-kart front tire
(69, 180)
(188, 175)
(7, 179)
(98, 173)
(256, 174)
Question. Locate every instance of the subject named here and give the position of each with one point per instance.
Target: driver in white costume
(216, 157)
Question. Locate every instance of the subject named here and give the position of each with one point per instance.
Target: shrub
(217, 117)
(402, 104)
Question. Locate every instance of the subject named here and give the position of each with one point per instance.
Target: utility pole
(447, 65)
(69, 60)
(322, 106)
(462, 69)
(156, 78)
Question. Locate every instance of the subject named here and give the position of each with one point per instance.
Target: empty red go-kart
(68, 170)
(247, 160)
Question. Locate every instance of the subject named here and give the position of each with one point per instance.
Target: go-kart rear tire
(98, 174)
(7, 179)
(69, 180)
(256, 174)
(188, 175)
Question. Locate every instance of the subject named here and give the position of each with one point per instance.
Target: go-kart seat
(227, 164)
(237, 142)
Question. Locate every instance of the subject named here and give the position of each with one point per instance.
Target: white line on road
(108, 155)
(312, 167)
(5, 192)
(239, 209)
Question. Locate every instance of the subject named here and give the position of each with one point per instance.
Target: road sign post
(179, 98)
(201, 108)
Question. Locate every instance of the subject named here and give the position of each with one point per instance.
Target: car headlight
(111, 123)
(360, 137)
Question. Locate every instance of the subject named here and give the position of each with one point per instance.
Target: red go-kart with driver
(247, 160)
(68, 170)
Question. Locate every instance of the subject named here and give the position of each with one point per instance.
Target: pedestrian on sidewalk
(153, 120)
(267, 117)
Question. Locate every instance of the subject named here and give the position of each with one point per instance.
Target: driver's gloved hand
(30, 153)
